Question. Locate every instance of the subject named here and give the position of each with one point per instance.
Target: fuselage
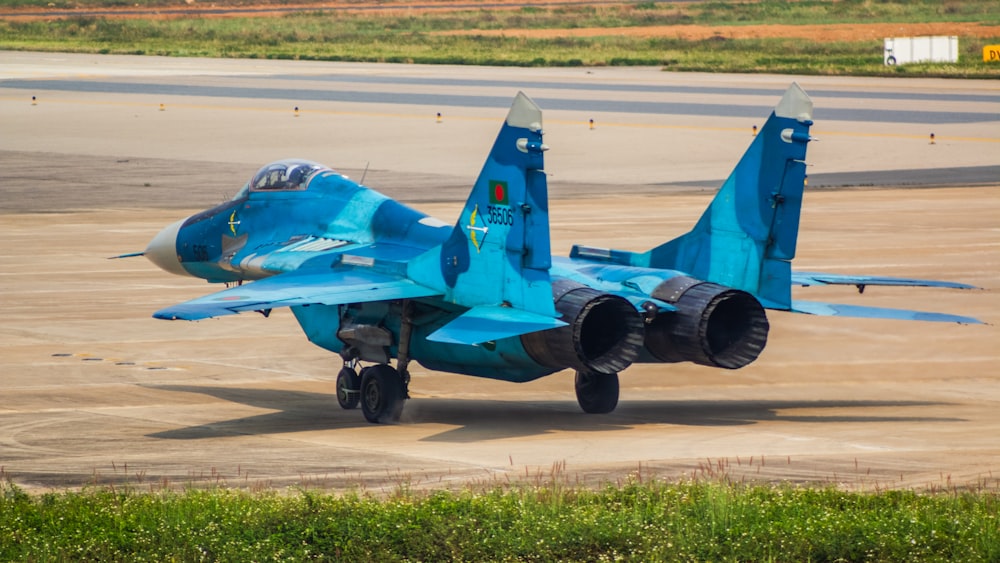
(323, 220)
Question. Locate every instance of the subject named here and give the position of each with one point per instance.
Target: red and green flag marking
(498, 193)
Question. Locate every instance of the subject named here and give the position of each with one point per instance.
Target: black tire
(348, 388)
(596, 392)
(891, 60)
(381, 394)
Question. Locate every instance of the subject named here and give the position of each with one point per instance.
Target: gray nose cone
(162, 250)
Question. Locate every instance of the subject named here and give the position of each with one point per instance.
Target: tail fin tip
(524, 113)
(795, 104)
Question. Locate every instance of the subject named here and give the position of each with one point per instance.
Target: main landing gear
(348, 387)
(597, 392)
(382, 394)
(379, 389)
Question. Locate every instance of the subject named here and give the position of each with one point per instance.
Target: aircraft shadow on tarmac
(478, 420)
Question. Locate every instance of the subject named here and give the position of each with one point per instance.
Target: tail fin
(498, 254)
(746, 238)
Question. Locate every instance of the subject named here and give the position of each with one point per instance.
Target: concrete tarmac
(96, 391)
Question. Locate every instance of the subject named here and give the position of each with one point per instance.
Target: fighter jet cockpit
(282, 176)
(285, 175)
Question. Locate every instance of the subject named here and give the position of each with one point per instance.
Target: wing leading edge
(336, 287)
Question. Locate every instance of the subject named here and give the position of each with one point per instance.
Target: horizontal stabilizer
(839, 310)
(334, 287)
(486, 323)
(819, 278)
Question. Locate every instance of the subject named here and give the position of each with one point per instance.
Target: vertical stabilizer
(746, 238)
(498, 253)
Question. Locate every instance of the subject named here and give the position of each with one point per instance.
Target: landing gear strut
(597, 392)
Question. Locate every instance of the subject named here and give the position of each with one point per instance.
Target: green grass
(396, 37)
(638, 13)
(688, 521)
(306, 38)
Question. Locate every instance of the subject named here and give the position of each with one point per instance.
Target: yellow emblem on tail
(473, 229)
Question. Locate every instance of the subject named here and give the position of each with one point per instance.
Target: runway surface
(651, 130)
(94, 390)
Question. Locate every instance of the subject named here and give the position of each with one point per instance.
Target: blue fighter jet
(374, 280)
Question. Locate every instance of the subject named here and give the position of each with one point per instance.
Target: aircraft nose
(162, 250)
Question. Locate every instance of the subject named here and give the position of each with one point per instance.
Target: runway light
(754, 130)
(591, 124)
(163, 107)
(805, 181)
(34, 101)
(932, 138)
(296, 111)
(439, 117)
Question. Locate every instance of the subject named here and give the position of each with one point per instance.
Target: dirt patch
(264, 8)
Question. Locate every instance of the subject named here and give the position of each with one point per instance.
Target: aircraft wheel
(596, 392)
(348, 388)
(382, 394)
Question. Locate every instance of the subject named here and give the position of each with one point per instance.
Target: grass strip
(287, 39)
(687, 521)
(395, 36)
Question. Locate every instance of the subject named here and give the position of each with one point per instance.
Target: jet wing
(330, 287)
(860, 311)
(819, 278)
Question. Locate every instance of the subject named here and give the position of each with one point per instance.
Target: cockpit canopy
(285, 175)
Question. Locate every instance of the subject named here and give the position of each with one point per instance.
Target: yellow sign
(991, 54)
